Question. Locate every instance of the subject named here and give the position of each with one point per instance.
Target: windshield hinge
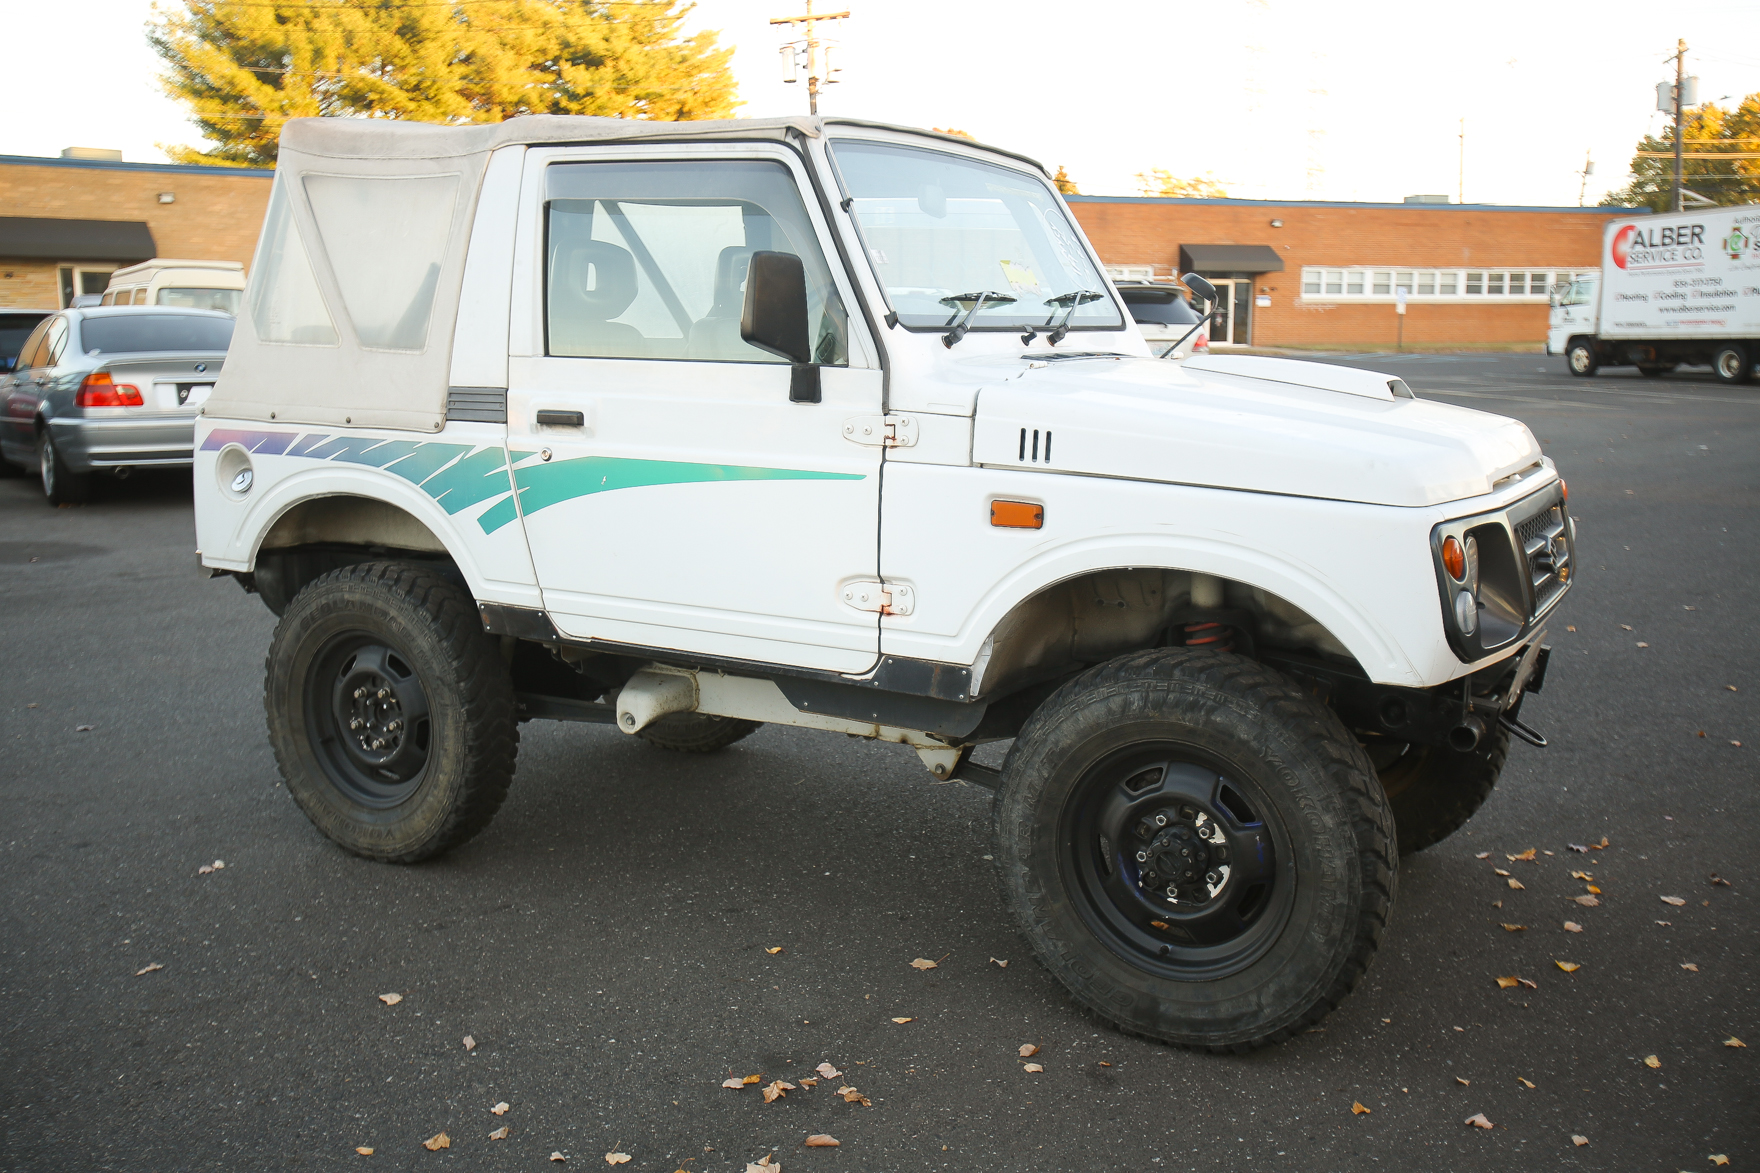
(885, 431)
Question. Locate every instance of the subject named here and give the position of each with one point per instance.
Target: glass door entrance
(1232, 322)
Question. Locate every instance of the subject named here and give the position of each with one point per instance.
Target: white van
(195, 285)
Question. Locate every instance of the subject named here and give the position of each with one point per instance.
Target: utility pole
(818, 67)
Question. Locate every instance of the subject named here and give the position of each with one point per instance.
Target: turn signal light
(1454, 558)
(1017, 515)
(99, 391)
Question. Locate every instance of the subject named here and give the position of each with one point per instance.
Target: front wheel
(1732, 363)
(1195, 848)
(390, 713)
(1580, 357)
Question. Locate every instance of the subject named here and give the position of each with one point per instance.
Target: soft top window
(154, 334)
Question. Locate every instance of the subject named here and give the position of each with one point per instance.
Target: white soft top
(353, 296)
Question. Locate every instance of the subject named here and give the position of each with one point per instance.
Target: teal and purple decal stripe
(457, 477)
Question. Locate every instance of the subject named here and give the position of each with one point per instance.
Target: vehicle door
(673, 495)
(21, 390)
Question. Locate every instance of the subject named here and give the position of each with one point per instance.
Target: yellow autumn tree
(1159, 181)
(246, 66)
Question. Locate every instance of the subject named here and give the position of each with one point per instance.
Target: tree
(1708, 130)
(1159, 181)
(1064, 183)
(245, 68)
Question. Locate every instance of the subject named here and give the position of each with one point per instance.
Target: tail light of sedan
(98, 390)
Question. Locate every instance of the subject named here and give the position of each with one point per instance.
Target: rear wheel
(1580, 357)
(390, 713)
(1434, 790)
(1732, 363)
(696, 732)
(61, 485)
(1195, 848)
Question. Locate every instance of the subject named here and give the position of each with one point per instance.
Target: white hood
(1344, 435)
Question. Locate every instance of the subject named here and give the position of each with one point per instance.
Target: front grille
(1545, 542)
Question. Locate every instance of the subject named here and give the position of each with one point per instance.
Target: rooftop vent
(1427, 199)
(96, 154)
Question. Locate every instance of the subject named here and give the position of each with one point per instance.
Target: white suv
(689, 427)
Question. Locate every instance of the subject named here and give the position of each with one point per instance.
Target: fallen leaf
(437, 1142)
(148, 968)
(1516, 884)
(924, 963)
(999, 962)
(1528, 855)
(828, 1071)
(557, 1157)
(1504, 983)
(1674, 900)
(1500, 871)
(750, 1079)
(1652, 1061)
(776, 1089)
(852, 1096)
(1028, 1050)
(1523, 1082)
(902, 1021)
(820, 1140)
(1483, 855)
(1463, 1082)
(617, 1158)
(1583, 876)
(364, 1150)
(1033, 1067)
(1579, 1141)
(1479, 1121)
(1571, 926)
(735, 1083)
(1514, 928)
(470, 1044)
(1689, 965)
(1732, 1041)
(1529, 984)
(1587, 901)
(499, 1133)
(501, 1108)
(1357, 1109)
(773, 951)
(391, 999)
(1719, 1159)
(1567, 966)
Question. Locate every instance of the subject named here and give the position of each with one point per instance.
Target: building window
(1421, 284)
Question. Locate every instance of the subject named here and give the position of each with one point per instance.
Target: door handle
(561, 419)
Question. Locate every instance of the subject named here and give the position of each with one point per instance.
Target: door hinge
(888, 598)
(887, 431)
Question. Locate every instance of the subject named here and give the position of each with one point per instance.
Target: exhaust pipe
(1465, 737)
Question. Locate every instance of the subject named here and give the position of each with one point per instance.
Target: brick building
(67, 223)
(1309, 274)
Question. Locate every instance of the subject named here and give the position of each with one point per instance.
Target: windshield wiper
(1068, 303)
(976, 301)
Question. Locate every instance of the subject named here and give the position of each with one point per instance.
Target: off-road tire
(696, 732)
(1579, 358)
(1434, 790)
(1732, 363)
(1266, 731)
(61, 485)
(472, 736)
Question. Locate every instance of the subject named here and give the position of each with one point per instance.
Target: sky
(1274, 99)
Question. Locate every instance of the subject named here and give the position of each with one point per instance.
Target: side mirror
(775, 318)
(1200, 287)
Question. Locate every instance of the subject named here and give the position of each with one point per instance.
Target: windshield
(154, 334)
(191, 298)
(937, 226)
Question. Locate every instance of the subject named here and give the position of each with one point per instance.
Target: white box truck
(1676, 288)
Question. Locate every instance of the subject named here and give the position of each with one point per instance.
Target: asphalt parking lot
(608, 942)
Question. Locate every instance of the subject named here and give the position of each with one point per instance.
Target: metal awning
(1229, 258)
(75, 240)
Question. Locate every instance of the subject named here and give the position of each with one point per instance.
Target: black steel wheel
(1196, 848)
(1579, 356)
(390, 712)
(1732, 363)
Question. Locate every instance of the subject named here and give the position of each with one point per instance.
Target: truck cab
(688, 428)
